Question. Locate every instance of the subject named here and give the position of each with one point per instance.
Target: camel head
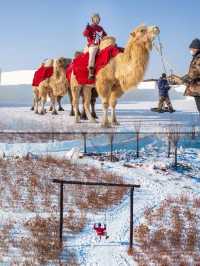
(145, 35)
(61, 62)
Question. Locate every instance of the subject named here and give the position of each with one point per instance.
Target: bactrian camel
(121, 74)
(46, 89)
(55, 87)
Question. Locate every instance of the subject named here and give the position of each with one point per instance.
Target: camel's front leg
(54, 101)
(105, 122)
(115, 94)
(75, 100)
(114, 121)
(87, 91)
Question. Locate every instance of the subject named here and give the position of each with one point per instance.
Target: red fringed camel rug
(80, 64)
(41, 74)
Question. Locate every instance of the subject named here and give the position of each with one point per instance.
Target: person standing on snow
(94, 34)
(164, 87)
(192, 79)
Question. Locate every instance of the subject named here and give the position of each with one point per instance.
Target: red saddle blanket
(80, 63)
(69, 71)
(41, 74)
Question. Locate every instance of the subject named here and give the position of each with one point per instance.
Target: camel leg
(105, 122)
(87, 98)
(33, 104)
(115, 94)
(43, 101)
(72, 113)
(83, 113)
(113, 104)
(36, 103)
(114, 121)
(60, 108)
(75, 96)
(54, 100)
(93, 102)
(50, 107)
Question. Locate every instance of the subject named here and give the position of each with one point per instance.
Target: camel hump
(107, 41)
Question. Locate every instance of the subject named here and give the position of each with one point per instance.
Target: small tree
(111, 146)
(168, 134)
(175, 137)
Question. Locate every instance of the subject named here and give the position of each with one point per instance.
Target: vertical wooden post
(193, 132)
(137, 138)
(85, 143)
(111, 147)
(175, 156)
(131, 219)
(61, 213)
(169, 147)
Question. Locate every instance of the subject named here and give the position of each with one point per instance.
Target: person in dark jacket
(163, 87)
(192, 79)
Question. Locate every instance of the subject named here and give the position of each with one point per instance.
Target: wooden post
(111, 147)
(175, 156)
(85, 143)
(137, 138)
(131, 219)
(61, 213)
(169, 147)
(193, 132)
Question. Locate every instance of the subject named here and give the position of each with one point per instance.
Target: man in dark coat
(192, 79)
(163, 87)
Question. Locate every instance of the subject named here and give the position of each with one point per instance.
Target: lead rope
(164, 62)
(159, 49)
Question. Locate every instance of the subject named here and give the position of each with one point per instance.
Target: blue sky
(32, 30)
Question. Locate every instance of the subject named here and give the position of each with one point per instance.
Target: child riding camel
(94, 34)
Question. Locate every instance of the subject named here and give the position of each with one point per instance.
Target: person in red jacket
(94, 34)
(100, 230)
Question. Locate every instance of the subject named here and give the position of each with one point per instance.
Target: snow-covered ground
(22, 119)
(152, 171)
(156, 185)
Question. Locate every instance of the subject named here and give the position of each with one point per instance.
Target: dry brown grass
(170, 234)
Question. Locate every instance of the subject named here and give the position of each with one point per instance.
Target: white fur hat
(95, 18)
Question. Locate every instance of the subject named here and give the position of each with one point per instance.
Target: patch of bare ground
(29, 195)
(170, 234)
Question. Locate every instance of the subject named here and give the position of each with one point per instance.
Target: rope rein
(164, 61)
